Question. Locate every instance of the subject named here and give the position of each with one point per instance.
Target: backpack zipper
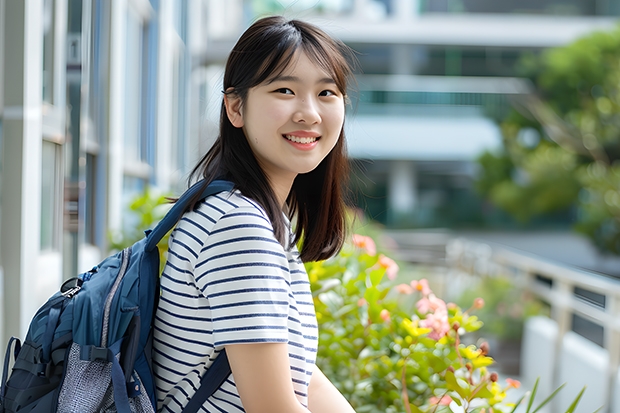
(125, 255)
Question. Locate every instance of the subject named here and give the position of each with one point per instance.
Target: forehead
(303, 65)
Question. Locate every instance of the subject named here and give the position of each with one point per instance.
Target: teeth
(298, 139)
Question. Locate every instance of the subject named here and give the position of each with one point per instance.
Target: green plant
(532, 395)
(386, 359)
(145, 210)
(506, 306)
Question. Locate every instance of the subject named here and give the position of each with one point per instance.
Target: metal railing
(565, 289)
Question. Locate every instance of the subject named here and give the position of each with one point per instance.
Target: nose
(307, 112)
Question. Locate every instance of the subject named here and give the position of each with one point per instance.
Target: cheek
(335, 119)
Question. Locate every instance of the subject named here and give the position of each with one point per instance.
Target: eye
(284, 91)
(328, 93)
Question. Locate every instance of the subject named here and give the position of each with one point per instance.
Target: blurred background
(483, 134)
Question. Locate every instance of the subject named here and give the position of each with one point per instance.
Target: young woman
(234, 279)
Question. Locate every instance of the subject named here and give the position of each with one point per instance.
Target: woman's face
(293, 121)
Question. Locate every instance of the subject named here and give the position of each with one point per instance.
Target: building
(100, 98)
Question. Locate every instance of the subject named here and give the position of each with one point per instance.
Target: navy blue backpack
(88, 348)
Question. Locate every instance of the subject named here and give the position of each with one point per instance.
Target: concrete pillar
(402, 191)
(21, 189)
(116, 117)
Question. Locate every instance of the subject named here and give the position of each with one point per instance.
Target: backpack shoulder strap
(176, 212)
(209, 383)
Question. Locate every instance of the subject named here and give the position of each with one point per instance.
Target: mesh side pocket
(139, 404)
(85, 385)
(87, 388)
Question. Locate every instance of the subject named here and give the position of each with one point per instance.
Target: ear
(233, 108)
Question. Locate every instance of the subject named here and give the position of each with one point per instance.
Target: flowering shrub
(385, 359)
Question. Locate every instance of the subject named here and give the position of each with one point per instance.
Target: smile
(298, 139)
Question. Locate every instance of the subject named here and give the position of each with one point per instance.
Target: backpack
(88, 347)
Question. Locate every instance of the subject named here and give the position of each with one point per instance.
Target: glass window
(132, 187)
(89, 198)
(50, 190)
(555, 7)
(133, 142)
(48, 50)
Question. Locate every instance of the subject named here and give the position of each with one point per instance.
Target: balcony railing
(572, 294)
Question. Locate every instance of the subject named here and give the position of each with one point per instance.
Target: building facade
(100, 98)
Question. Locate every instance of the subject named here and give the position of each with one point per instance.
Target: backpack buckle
(71, 287)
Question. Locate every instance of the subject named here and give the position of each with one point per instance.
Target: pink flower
(422, 286)
(385, 315)
(438, 322)
(365, 243)
(513, 383)
(444, 401)
(361, 302)
(478, 303)
(391, 268)
(431, 304)
(404, 289)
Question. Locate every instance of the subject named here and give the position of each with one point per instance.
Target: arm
(324, 397)
(263, 378)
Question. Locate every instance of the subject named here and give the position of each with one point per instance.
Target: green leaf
(453, 384)
(376, 276)
(548, 399)
(532, 396)
(517, 404)
(575, 402)
(372, 295)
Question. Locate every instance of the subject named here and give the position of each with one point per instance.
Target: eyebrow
(298, 80)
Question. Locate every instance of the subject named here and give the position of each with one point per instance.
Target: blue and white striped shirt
(228, 281)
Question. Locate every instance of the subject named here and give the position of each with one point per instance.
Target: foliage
(561, 144)
(506, 306)
(380, 356)
(530, 396)
(385, 359)
(145, 210)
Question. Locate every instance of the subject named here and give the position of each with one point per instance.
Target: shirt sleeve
(243, 272)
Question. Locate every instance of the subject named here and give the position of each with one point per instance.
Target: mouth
(302, 140)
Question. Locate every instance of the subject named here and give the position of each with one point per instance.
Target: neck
(281, 188)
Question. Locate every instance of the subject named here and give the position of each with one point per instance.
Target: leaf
(548, 399)
(414, 408)
(376, 276)
(575, 402)
(453, 384)
(533, 395)
(517, 404)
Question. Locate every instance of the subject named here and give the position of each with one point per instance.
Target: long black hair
(316, 199)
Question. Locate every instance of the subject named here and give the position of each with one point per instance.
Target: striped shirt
(228, 281)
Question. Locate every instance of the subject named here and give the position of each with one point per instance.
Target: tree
(561, 143)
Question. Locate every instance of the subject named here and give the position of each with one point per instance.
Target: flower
(445, 400)
(422, 286)
(404, 289)
(431, 303)
(365, 243)
(515, 384)
(478, 303)
(438, 322)
(361, 302)
(391, 268)
(385, 315)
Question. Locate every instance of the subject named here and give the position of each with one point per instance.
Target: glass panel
(90, 191)
(48, 50)
(132, 187)
(555, 7)
(133, 81)
(49, 195)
